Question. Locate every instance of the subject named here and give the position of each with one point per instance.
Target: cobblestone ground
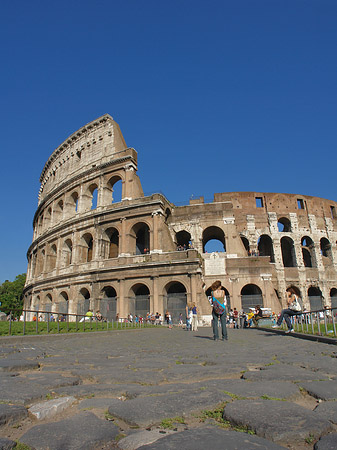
(168, 389)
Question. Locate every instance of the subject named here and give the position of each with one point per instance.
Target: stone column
(122, 238)
(193, 288)
(154, 245)
(154, 299)
(127, 189)
(121, 307)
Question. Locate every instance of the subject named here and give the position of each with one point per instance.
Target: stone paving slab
(12, 413)
(136, 440)
(278, 421)
(150, 410)
(46, 410)
(328, 442)
(324, 390)
(211, 438)
(27, 388)
(11, 365)
(283, 372)
(252, 389)
(81, 432)
(328, 410)
(6, 444)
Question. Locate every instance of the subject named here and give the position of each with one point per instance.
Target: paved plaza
(168, 389)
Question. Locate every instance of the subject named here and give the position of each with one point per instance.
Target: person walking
(219, 310)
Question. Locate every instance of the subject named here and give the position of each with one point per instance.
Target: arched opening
(213, 240)
(108, 303)
(308, 252)
(333, 299)
(48, 303)
(87, 247)
(183, 239)
(52, 258)
(284, 225)
(139, 301)
(83, 304)
(63, 303)
(113, 237)
(251, 296)
(40, 226)
(245, 243)
(58, 211)
(141, 234)
(265, 247)
(93, 189)
(315, 298)
(116, 185)
(288, 252)
(175, 300)
(74, 198)
(47, 220)
(228, 297)
(326, 251)
(67, 252)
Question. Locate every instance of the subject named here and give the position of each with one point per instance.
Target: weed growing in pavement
(169, 423)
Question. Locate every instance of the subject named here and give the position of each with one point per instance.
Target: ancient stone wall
(142, 254)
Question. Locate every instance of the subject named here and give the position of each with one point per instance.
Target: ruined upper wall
(95, 143)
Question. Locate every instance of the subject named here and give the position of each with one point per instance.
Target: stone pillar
(193, 288)
(127, 189)
(154, 299)
(123, 251)
(121, 307)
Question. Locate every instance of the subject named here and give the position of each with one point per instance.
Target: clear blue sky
(215, 96)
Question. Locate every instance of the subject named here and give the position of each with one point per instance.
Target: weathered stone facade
(90, 250)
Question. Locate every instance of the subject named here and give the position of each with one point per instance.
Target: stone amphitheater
(100, 243)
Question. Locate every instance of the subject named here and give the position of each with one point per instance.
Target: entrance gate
(175, 304)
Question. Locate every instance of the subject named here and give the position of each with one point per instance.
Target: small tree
(11, 295)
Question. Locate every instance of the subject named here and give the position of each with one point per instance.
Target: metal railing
(321, 322)
(48, 322)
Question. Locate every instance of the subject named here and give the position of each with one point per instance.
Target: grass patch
(310, 439)
(20, 446)
(108, 416)
(243, 429)
(215, 414)
(267, 397)
(234, 396)
(170, 423)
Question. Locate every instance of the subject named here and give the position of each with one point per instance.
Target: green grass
(20, 446)
(170, 423)
(298, 329)
(63, 327)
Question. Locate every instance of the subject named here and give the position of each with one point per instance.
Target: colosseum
(100, 243)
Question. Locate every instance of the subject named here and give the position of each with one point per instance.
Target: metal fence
(321, 322)
(48, 322)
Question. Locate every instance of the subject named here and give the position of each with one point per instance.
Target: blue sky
(215, 96)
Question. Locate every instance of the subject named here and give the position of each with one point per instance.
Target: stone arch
(213, 239)
(41, 254)
(333, 299)
(63, 306)
(140, 238)
(175, 300)
(108, 303)
(288, 252)
(48, 303)
(308, 252)
(139, 300)
(51, 261)
(93, 191)
(58, 211)
(112, 236)
(265, 247)
(74, 200)
(251, 296)
(87, 247)
(83, 304)
(326, 251)
(183, 240)
(284, 225)
(67, 252)
(246, 244)
(115, 186)
(315, 298)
